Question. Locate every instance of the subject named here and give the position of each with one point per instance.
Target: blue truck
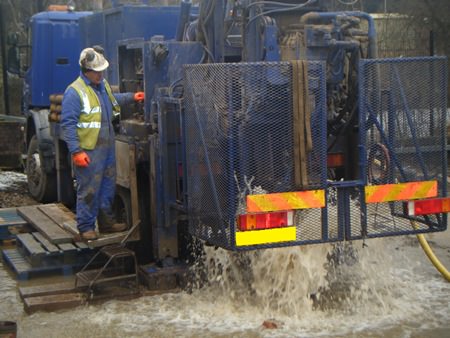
(265, 124)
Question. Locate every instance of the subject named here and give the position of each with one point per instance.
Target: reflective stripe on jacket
(89, 122)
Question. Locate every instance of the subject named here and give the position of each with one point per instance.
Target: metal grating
(239, 138)
(240, 141)
(403, 107)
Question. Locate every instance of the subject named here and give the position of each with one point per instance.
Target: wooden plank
(9, 217)
(47, 289)
(19, 229)
(47, 227)
(54, 264)
(30, 244)
(54, 302)
(113, 238)
(81, 245)
(115, 293)
(104, 239)
(16, 262)
(71, 226)
(49, 246)
(58, 213)
(67, 247)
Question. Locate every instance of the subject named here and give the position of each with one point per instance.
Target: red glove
(139, 96)
(81, 159)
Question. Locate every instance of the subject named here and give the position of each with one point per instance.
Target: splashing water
(275, 281)
(329, 289)
(338, 290)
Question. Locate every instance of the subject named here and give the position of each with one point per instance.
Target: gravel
(14, 190)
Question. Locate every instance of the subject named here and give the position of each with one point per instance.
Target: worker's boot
(116, 227)
(89, 235)
(107, 224)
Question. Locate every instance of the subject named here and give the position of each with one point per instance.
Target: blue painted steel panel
(91, 37)
(170, 71)
(55, 51)
(167, 74)
(108, 28)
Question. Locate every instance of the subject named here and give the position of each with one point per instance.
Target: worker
(88, 110)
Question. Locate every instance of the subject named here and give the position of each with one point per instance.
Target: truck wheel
(42, 186)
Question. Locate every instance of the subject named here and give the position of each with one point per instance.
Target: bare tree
(431, 14)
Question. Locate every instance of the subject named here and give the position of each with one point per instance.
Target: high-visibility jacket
(89, 122)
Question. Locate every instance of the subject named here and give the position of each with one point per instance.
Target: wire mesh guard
(403, 110)
(241, 139)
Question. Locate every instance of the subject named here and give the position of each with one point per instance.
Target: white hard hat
(93, 60)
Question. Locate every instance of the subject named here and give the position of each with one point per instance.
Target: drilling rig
(265, 124)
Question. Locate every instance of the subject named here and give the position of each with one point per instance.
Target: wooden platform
(51, 297)
(52, 243)
(104, 239)
(39, 252)
(56, 224)
(11, 223)
(9, 217)
(25, 271)
(35, 256)
(48, 219)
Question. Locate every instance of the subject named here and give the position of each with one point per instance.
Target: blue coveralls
(96, 182)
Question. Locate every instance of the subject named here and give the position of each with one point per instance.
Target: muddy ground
(14, 190)
(393, 292)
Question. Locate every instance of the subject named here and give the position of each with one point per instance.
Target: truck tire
(41, 185)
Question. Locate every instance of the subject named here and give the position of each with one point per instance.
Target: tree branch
(434, 16)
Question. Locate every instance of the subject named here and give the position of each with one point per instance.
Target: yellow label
(266, 236)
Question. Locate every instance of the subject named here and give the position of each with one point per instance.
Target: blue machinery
(220, 114)
(272, 99)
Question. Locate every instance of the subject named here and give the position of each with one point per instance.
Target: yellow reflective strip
(92, 125)
(400, 191)
(428, 188)
(286, 201)
(95, 110)
(86, 104)
(266, 236)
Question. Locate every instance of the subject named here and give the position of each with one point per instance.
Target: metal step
(113, 271)
(101, 276)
